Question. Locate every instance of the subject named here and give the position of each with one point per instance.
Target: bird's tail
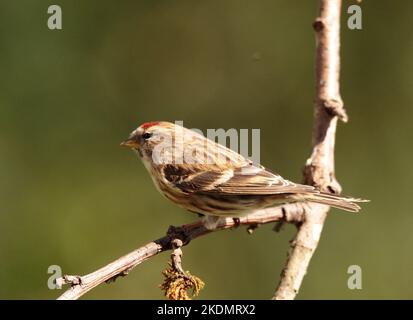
(336, 201)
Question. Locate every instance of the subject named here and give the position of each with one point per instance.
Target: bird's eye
(146, 135)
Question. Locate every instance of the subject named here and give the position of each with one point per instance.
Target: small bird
(208, 178)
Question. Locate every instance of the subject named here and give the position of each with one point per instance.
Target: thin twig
(292, 213)
(179, 284)
(176, 256)
(319, 169)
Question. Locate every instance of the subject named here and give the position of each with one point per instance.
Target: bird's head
(147, 136)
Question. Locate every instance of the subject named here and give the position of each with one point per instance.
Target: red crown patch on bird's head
(147, 125)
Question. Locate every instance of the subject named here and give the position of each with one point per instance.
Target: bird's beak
(131, 143)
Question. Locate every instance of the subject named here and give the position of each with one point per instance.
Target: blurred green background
(71, 196)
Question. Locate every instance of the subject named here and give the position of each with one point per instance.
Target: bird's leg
(211, 222)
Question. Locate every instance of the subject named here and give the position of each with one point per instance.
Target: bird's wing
(222, 170)
(248, 179)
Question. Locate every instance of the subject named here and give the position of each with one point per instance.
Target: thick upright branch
(319, 169)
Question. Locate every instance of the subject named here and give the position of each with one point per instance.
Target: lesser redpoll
(205, 177)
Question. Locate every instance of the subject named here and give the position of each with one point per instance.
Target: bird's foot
(211, 222)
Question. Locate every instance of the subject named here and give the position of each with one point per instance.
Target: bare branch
(176, 255)
(178, 284)
(292, 213)
(319, 169)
